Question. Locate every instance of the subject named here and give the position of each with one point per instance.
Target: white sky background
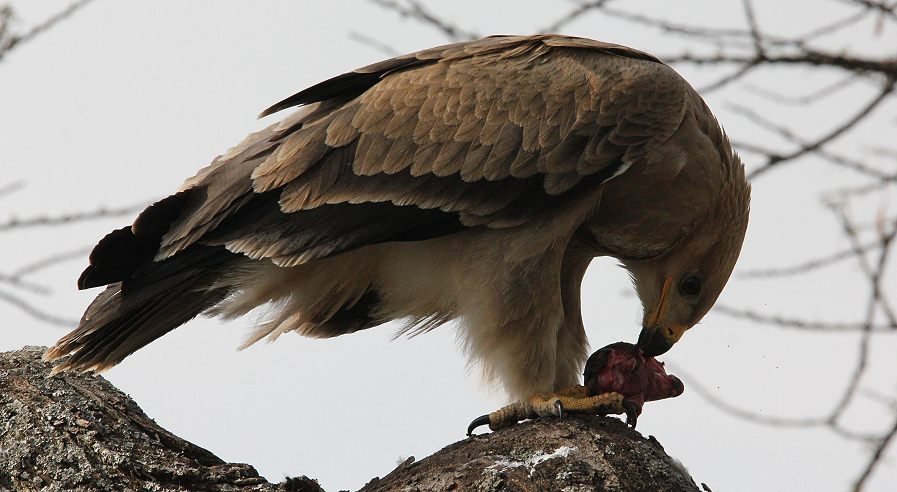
(120, 103)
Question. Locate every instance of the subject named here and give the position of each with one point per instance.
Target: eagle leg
(574, 399)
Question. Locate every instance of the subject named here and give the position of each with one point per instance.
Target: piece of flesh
(618, 379)
(623, 368)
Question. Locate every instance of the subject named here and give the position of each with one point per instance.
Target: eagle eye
(690, 286)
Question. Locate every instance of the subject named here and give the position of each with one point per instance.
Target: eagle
(472, 182)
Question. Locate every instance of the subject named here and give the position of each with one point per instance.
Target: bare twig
(799, 324)
(853, 64)
(10, 188)
(370, 42)
(64, 219)
(756, 417)
(873, 273)
(50, 261)
(674, 28)
(10, 42)
(875, 299)
(756, 37)
(834, 27)
(774, 160)
(17, 282)
(804, 267)
(695, 385)
(881, 7)
(738, 74)
(884, 152)
(865, 189)
(416, 10)
(581, 9)
(862, 362)
(877, 455)
(36, 312)
(787, 134)
(813, 97)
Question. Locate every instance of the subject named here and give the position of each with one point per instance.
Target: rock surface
(78, 432)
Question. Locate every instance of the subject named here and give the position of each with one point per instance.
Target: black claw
(560, 408)
(481, 420)
(631, 413)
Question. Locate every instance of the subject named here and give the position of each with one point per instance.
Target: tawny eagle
(472, 182)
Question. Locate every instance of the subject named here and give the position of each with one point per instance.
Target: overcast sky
(126, 99)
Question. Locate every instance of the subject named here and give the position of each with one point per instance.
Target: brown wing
(489, 133)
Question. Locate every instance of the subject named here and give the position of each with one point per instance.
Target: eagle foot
(574, 399)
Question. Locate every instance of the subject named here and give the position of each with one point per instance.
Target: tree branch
(581, 9)
(805, 267)
(799, 324)
(877, 456)
(775, 160)
(70, 218)
(8, 43)
(36, 312)
(416, 10)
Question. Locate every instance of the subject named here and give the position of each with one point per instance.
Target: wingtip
(85, 278)
(271, 110)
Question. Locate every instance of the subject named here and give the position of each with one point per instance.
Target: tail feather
(132, 313)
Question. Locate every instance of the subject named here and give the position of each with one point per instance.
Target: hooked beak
(659, 334)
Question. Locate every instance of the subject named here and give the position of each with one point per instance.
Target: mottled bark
(78, 432)
(573, 455)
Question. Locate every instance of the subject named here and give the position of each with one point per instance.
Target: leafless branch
(9, 42)
(17, 282)
(813, 97)
(378, 45)
(10, 188)
(876, 298)
(695, 385)
(70, 218)
(713, 34)
(756, 37)
(35, 312)
(799, 324)
(774, 159)
(867, 188)
(860, 366)
(416, 10)
(883, 152)
(881, 7)
(873, 273)
(49, 261)
(815, 147)
(834, 27)
(756, 417)
(886, 67)
(805, 267)
(738, 74)
(877, 455)
(581, 9)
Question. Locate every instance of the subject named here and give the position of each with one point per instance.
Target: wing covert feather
(486, 133)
